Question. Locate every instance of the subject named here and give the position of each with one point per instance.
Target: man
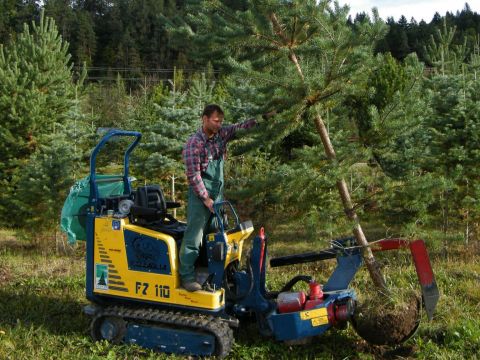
(204, 154)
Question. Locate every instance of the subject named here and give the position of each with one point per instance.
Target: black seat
(149, 203)
(150, 211)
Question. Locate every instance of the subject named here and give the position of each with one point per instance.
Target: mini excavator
(136, 297)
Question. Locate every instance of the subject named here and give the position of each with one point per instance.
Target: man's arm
(227, 132)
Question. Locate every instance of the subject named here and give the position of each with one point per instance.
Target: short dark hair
(210, 109)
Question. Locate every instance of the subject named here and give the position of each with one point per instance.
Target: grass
(42, 295)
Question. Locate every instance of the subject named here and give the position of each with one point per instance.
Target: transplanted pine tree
(300, 55)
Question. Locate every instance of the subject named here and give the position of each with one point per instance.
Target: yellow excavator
(133, 284)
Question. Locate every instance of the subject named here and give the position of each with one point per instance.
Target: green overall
(197, 217)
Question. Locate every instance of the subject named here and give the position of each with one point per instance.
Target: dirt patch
(387, 324)
(5, 274)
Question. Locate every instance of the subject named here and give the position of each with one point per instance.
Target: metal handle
(216, 208)
(93, 158)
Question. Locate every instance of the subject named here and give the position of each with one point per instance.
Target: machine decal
(162, 291)
(322, 320)
(141, 288)
(114, 281)
(311, 314)
(101, 276)
(116, 224)
(145, 253)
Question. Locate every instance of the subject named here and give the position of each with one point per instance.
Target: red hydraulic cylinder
(315, 297)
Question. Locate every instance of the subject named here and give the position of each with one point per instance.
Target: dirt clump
(387, 324)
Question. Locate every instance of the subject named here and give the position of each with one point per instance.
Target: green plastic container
(74, 212)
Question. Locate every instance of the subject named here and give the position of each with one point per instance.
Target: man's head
(212, 119)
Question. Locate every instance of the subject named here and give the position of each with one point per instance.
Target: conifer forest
(375, 122)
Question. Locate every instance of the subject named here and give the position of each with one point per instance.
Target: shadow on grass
(333, 344)
(17, 246)
(63, 316)
(58, 316)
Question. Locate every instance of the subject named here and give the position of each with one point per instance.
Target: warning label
(101, 276)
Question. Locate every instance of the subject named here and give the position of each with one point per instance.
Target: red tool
(422, 265)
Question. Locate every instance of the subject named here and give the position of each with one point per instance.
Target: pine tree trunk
(370, 260)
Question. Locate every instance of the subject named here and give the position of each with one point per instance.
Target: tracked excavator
(135, 292)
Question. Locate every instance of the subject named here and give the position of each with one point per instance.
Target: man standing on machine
(204, 155)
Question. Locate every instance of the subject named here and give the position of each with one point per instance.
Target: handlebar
(93, 158)
(217, 206)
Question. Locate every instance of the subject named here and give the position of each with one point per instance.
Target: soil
(5, 275)
(387, 324)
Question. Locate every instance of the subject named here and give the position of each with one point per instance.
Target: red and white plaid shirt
(198, 147)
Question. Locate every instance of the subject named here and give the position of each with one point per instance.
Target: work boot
(191, 286)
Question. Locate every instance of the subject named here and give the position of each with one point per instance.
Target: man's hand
(209, 204)
(269, 114)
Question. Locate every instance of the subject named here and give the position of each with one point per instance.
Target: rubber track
(220, 329)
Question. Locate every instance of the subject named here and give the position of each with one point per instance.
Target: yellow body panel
(234, 244)
(110, 261)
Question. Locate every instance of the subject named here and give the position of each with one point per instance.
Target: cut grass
(41, 300)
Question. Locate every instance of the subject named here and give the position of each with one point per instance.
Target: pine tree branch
(234, 19)
(292, 38)
(315, 98)
(330, 35)
(278, 30)
(271, 40)
(395, 104)
(330, 69)
(294, 59)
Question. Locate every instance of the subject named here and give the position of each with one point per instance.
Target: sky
(419, 9)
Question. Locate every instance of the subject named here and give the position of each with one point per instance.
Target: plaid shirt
(198, 147)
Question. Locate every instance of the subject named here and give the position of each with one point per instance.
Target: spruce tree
(453, 148)
(37, 96)
(43, 183)
(390, 114)
(167, 119)
(35, 88)
(453, 140)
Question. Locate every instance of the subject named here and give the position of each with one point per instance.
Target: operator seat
(150, 210)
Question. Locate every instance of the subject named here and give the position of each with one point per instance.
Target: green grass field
(42, 295)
